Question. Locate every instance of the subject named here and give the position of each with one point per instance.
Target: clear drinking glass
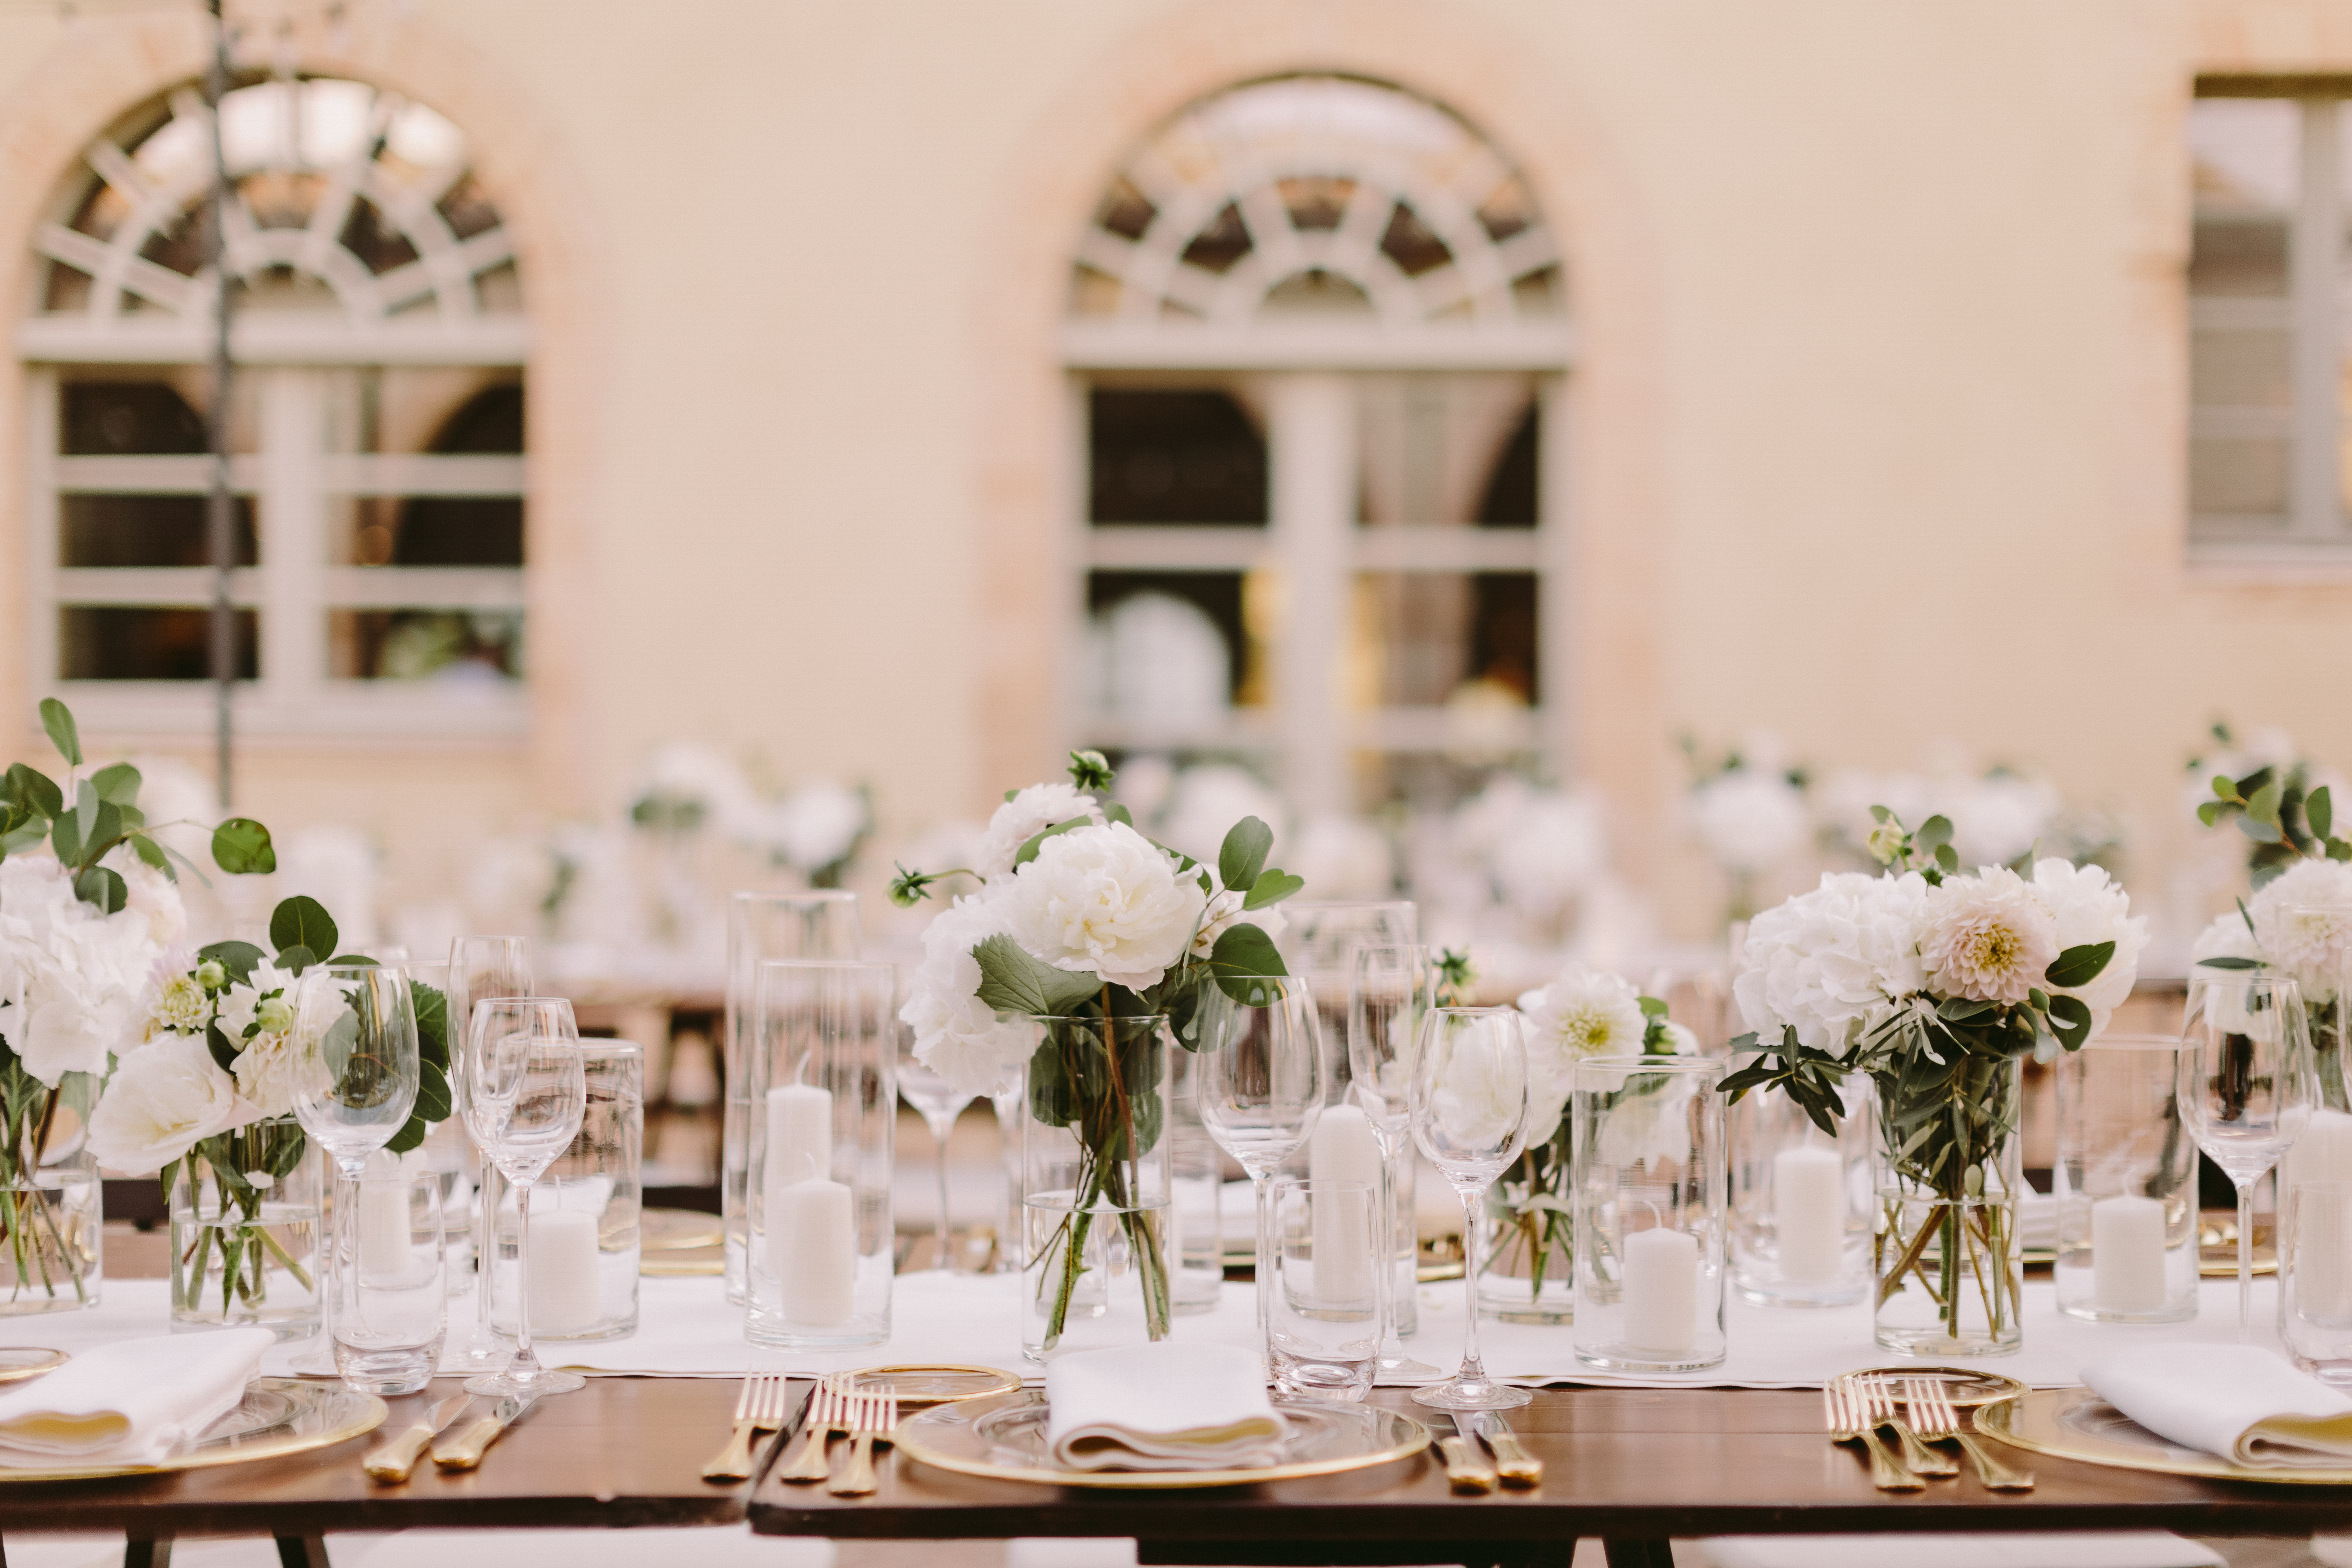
(2127, 1183)
(1650, 1212)
(821, 925)
(586, 1212)
(480, 968)
(1196, 1184)
(1469, 1109)
(355, 1036)
(1326, 1312)
(1801, 1200)
(2314, 1253)
(1005, 1099)
(1260, 1070)
(2246, 1086)
(1389, 991)
(526, 1092)
(938, 1102)
(388, 1325)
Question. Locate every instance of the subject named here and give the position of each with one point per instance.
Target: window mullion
(294, 535)
(42, 522)
(2315, 282)
(1311, 449)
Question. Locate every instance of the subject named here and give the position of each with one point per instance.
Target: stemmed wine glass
(1469, 1110)
(480, 967)
(1260, 1078)
(2246, 1086)
(354, 1084)
(526, 1092)
(1389, 994)
(938, 1102)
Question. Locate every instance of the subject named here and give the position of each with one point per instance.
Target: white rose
(956, 1036)
(1026, 816)
(163, 1098)
(1831, 963)
(1585, 1013)
(1987, 938)
(1106, 899)
(2087, 906)
(2303, 921)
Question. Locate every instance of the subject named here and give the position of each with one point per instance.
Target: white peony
(1026, 816)
(72, 979)
(1987, 937)
(1831, 963)
(164, 1098)
(1107, 900)
(2303, 924)
(1585, 1013)
(2087, 906)
(956, 1036)
(1749, 821)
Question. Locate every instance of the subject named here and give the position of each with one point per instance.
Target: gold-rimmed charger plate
(1964, 1387)
(2076, 1423)
(677, 1230)
(278, 1416)
(936, 1383)
(1004, 1438)
(670, 1265)
(20, 1362)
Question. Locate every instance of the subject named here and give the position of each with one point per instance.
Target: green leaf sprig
(2275, 808)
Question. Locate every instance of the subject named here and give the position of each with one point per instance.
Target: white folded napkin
(2241, 1402)
(1160, 1407)
(2129, 1549)
(130, 1402)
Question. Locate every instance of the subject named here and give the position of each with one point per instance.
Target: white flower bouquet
(2298, 923)
(1935, 983)
(1081, 923)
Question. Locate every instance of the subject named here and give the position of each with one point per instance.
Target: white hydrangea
(1987, 937)
(2087, 906)
(1584, 1012)
(2303, 924)
(956, 1036)
(1106, 899)
(1749, 821)
(73, 981)
(1831, 963)
(2228, 937)
(1026, 816)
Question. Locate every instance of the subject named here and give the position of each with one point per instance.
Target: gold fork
(759, 1408)
(876, 1414)
(828, 1413)
(1878, 1394)
(1939, 1421)
(1841, 1413)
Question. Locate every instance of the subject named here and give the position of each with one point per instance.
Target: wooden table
(1630, 1466)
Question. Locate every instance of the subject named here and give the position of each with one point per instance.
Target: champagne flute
(938, 1102)
(1389, 991)
(526, 1093)
(2246, 1086)
(1469, 1107)
(480, 967)
(354, 1036)
(1260, 1074)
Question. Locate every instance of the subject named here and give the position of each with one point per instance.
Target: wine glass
(1469, 1110)
(1260, 1076)
(353, 1043)
(1389, 994)
(2246, 1086)
(480, 967)
(938, 1102)
(526, 1092)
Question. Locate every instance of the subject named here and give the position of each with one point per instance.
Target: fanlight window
(1317, 193)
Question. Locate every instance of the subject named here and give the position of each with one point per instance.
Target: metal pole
(220, 512)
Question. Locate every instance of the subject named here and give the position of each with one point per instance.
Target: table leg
(296, 1551)
(1639, 1553)
(137, 1553)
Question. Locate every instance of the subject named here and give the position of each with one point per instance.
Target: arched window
(375, 417)
(1316, 330)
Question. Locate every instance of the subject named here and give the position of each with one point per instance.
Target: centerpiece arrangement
(1086, 949)
(1935, 983)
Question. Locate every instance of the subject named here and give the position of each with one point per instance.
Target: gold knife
(1466, 1466)
(392, 1462)
(466, 1450)
(1519, 1467)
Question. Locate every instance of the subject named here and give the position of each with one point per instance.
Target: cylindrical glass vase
(585, 1241)
(1196, 1244)
(759, 927)
(1946, 1263)
(247, 1247)
(2125, 1185)
(2315, 1280)
(2324, 1152)
(1529, 1274)
(51, 1232)
(1651, 1212)
(1096, 1268)
(1801, 1206)
(822, 1058)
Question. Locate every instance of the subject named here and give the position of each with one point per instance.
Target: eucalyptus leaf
(1012, 982)
(2070, 1020)
(1243, 951)
(2263, 806)
(1933, 835)
(2078, 966)
(2231, 963)
(1037, 841)
(103, 888)
(241, 847)
(295, 959)
(237, 958)
(117, 783)
(34, 789)
(1243, 854)
(2320, 811)
(58, 720)
(302, 922)
(1271, 887)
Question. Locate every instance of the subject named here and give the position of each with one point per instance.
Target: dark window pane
(459, 531)
(2239, 256)
(450, 647)
(372, 237)
(111, 642)
(143, 531)
(1510, 500)
(1413, 245)
(468, 210)
(491, 422)
(1126, 211)
(1175, 456)
(1217, 594)
(1502, 631)
(1225, 241)
(1316, 202)
(103, 419)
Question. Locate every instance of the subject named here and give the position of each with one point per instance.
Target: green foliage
(1091, 771)
(2284, 819)
(1243, 854)
(1012, 982)
(301, 921)
(1028, 850)
(103, 888)
(1240, 957)
(64, 734)
(1809, 1077)
(1455, 975)
(2078, 966)
(1271, 887)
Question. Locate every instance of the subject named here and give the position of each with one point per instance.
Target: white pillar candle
(562, 1271)
(1343, 1148)
(2127, 1254)
(2324, 1152)
(1661, 1290)
(1809, 1213)
(800, 1137)
(813, 1240)
(383, 1225)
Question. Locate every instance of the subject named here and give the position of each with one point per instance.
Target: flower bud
(1885, 842)
(274, 1013)
(211, 976)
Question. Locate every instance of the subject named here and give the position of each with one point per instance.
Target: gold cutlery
(759, 1408)
(875, 1414)
(1878, 1396)
(1844, 1412)
(1465, 1468)
(1939, 1422)
(392, 1462)
(828, 1410)
(1513, 1463)
(465, 1450)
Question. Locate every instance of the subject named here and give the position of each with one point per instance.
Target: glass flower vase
(1529, 1274)
(49, 1220)
(246, 1209)
(1946, 1263)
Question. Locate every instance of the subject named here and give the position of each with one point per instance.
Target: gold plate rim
(1009, 1382)
(2014, 1389)
(34, 1368)
(701, 1234)
(1163, 1480)
(1998, 1419)
(368, 1416)
(654, 1268)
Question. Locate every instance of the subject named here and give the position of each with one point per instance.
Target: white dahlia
(1987, 937)
(1584, 1012)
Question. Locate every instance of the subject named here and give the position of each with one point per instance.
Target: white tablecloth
(687, 1328)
